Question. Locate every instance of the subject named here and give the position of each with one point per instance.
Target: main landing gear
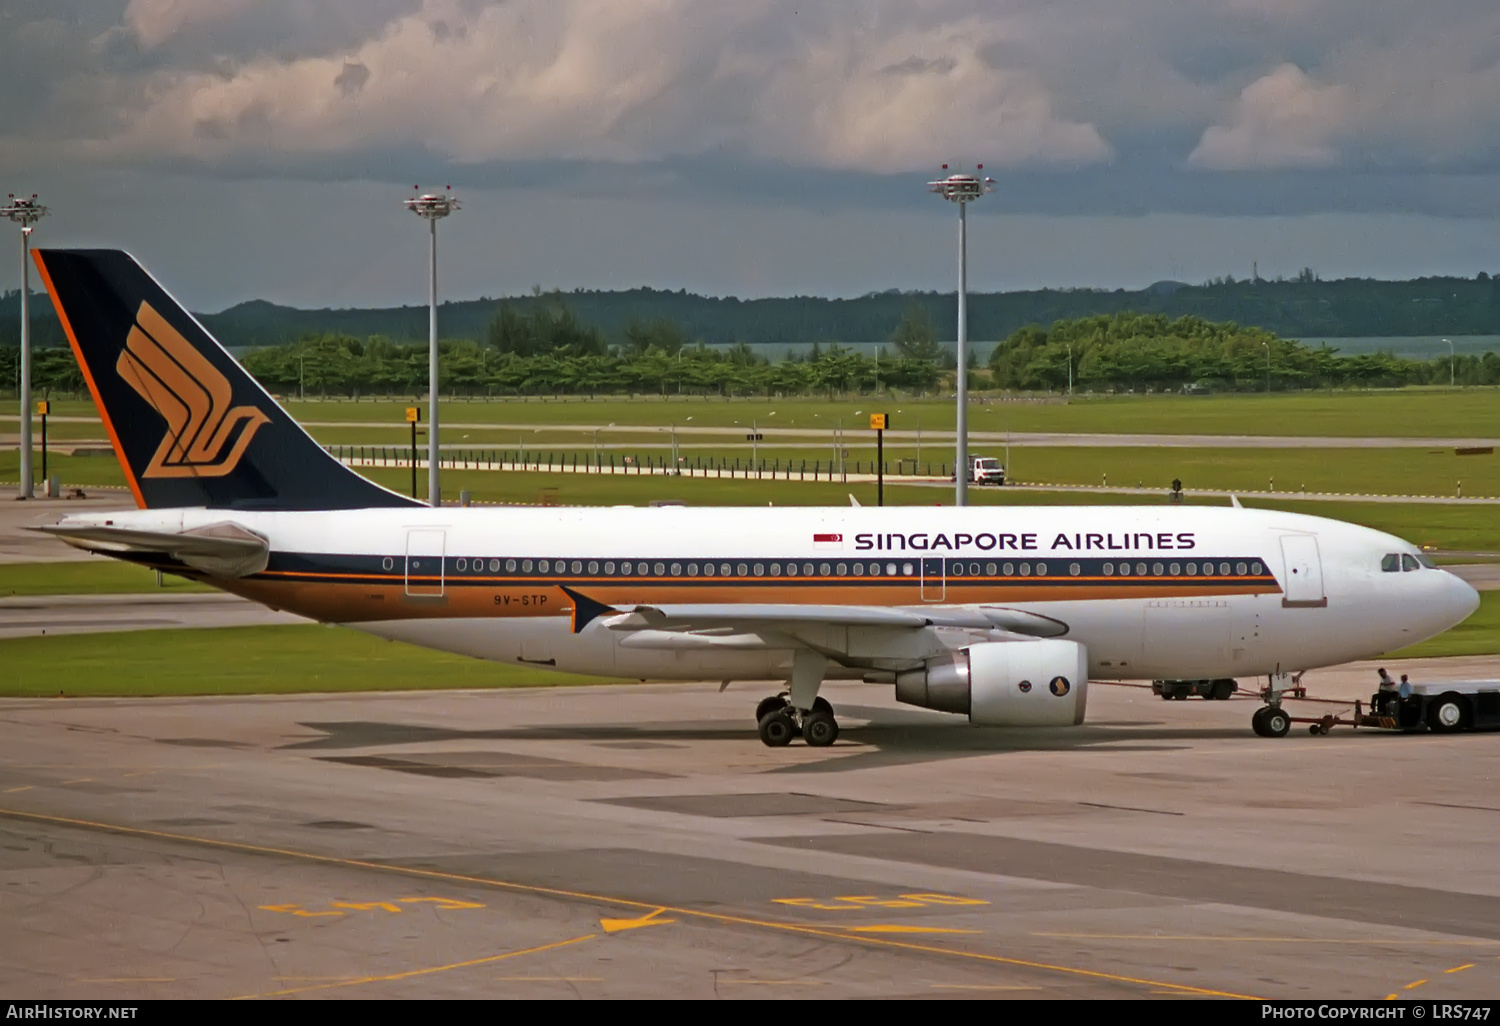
(780, 721)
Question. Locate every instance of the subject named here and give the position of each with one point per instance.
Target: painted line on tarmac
(411, 973)
(600, 899)
(1226, 939)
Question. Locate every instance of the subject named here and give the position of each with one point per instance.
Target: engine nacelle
(1005, 684)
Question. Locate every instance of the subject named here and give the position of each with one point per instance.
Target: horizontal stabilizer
(223, 550)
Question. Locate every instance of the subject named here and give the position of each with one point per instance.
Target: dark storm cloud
(1086, 105)
(760, 145)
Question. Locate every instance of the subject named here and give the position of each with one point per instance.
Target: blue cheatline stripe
(492, 571)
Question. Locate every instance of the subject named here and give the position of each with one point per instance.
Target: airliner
(1000, 614)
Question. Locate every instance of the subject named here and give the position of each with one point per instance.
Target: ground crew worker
(1386, 696)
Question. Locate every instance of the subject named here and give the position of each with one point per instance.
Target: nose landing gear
(779, 721)
(1271, 721)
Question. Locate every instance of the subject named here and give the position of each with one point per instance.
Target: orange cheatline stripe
(599, 899)
(88, 377)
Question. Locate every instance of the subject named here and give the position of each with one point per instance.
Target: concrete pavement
(639, 841)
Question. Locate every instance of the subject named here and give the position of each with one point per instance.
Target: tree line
(547, 349)
(1134, 350)
(1304, 306)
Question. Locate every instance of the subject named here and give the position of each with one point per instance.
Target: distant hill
(1295, 309)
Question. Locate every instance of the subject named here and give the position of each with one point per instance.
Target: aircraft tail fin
(189, 425)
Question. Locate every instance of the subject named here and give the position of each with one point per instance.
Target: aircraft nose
(1461, 598)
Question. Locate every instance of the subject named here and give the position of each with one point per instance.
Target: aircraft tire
(1222, 690)
(820, 729)
(821, 704)
(1258, 721)
(777, 728)
(1277, 722)
(769, 705)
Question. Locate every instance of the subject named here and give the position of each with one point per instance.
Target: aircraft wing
(755, 616)
(749, 616)
(224, 550)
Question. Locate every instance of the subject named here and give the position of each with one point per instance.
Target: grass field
(1478, 635)
(1433, 525)
(1436, 472)
(1414, 412)
(242, 661)
(94, 577)
(1426, 413)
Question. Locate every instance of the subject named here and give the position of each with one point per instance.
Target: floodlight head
(961, 188)
(24, 212)
(432, 206)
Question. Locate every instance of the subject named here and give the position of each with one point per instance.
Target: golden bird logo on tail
(191, 395)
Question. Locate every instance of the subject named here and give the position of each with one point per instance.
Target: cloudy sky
(261, 148)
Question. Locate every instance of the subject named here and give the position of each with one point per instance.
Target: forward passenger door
(1303, 581)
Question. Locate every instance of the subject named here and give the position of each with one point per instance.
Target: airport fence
(768, 469)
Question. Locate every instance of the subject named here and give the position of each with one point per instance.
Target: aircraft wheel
(821, 704)
(769, 705)
(1277, 722)
(1258, 722)
(777, 728)
(1222, 690)
(820, 729)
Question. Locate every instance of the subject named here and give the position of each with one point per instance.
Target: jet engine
(1005, 684)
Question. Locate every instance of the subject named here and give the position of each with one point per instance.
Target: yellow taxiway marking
(297, 910)
(139, 773)
(897, 928)
(445, 904)
(365, 906)
(599, 899)
(618, 925)
(1266, 940)
(1411, 986)
(409, 974)
(1459, 968)
(305, 978)
(855, 902)
(13, 790)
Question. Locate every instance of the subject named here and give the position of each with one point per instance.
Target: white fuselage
(1151, 592)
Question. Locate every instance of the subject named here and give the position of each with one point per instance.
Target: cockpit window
(1408, 561)
(1426, 561)
(1391, 562)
